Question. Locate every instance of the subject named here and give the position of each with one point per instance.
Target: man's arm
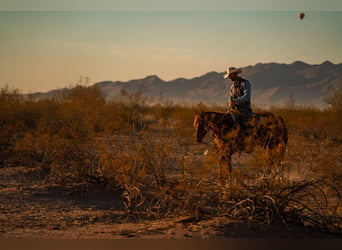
(247, 93)
(231, 103)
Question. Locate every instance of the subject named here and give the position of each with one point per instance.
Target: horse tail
(283, 130)
(276, 151)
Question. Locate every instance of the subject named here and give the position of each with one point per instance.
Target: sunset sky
(49, 44)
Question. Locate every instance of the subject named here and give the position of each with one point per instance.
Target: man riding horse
(256, 129)
(239, 96)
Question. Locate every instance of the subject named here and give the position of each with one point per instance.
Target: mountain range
(273, 84)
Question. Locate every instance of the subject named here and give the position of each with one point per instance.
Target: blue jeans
(246, 113)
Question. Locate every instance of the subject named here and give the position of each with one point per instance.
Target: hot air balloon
(301, 15)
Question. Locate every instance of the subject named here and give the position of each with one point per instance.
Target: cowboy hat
(232, 70)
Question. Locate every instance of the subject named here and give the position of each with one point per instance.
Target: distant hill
(272, 84)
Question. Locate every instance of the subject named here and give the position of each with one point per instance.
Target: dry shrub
(266, 199)
(11, 122)
(138, 165)
(133, 146)
(273, 199)
(56, 133)
(149, 192)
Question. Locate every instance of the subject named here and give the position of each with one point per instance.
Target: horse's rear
(271, 133)
(278, 153)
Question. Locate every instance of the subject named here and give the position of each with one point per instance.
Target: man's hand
(231, 103)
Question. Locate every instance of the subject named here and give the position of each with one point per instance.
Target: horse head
(201, 127)
(217, 122)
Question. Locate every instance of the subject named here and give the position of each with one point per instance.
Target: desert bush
(11, 123)
(56, 133)
(135, 105)
(140, 148)
(138, 166)
(273, 199)
(252, 196)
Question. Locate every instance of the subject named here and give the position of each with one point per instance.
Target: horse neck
(213, 119)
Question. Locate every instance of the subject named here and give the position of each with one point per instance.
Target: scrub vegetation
(145, 155)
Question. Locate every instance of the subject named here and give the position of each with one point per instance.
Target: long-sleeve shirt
(240, 93)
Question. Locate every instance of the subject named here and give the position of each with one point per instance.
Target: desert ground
(32, 209)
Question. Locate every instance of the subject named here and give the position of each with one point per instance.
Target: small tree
(137, 105)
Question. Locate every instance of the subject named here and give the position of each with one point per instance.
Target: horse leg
(221, 167)
(229, 166)
(279, 155)
(268, 162)
(225, 169)
(274, 156)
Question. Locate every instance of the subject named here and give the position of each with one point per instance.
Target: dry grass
(148, 153)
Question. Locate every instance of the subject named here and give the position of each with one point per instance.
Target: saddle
(255, 119)
(245, 127)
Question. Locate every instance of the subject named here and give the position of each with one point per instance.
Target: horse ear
(198, 112)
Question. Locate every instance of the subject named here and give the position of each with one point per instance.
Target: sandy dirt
(30, 208)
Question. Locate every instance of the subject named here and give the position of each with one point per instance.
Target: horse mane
(216, 120)
(198, 116)
(220, 112)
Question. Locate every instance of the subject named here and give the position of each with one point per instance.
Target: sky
(48, 44)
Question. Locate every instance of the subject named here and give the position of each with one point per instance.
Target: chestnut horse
(266, 130)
